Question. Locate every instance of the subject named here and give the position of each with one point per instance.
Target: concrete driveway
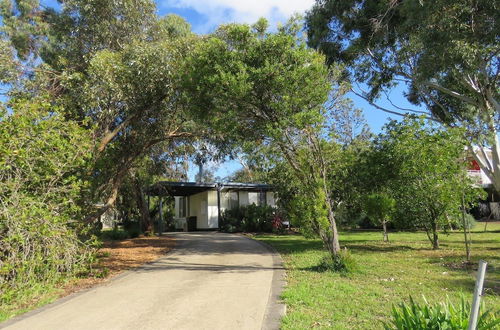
(209, 281)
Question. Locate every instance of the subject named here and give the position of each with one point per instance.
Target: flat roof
(176, 188)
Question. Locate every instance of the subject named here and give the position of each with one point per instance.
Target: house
(476, 173)
(490, 207)
(207, 201)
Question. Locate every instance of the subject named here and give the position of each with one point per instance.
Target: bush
(115, 234)
(42, 169)
(343, 263)
(132, 228)
(251, 218)
(277, 224)
(445, 315)
(470, 222)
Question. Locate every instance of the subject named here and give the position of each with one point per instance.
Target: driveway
(209, 281)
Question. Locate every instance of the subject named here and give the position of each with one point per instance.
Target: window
(233, 200)
(262, 198)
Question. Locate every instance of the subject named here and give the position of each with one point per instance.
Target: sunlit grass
(389, 273)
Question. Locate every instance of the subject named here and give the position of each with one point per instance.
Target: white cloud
(241, 11)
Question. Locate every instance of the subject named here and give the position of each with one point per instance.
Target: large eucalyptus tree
(446, 52)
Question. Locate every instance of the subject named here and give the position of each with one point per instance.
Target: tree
(428, 177)
(269, 89)
(113, 68)
(445, 52)
(380, 208)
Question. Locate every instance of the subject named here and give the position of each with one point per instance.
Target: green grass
(389, 273)
(36, 296)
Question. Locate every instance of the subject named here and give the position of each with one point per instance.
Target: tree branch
(451, 93)
(385, 109)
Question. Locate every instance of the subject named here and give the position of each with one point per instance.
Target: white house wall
(270, 200)
(244, 198)
(253, 198)
(225, 200)
(213, 212)
(198, 208)
(204, 206)
(176, 207)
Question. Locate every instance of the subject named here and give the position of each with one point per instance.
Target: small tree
(380, 208)
(428, 176)
(43, 161)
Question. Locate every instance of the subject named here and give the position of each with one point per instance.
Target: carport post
(219, 187)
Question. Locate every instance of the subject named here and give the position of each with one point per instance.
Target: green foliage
(115, 234)
(379, 207)
(413, 315)
(423, 168)
(343, 263)
(432, 45)
(112, 66)
(250, 218)
(42, 185)
(470, 222)
(252, 84)
(445, 52)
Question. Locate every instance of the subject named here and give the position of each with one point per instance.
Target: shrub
(115, 234)
(470, 222)
(251, 218)
(445, 315)
(343, 263)
(277, 224)
(132, 228)
(42, 169)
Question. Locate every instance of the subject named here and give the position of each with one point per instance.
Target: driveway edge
(275, 309)
(64, 299)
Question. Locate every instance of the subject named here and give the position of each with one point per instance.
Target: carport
(206, 201)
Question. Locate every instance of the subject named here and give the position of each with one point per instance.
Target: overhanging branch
(388, 110)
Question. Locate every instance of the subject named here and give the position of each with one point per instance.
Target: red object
(473, 165)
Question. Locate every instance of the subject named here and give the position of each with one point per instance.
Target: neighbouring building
(490, 207)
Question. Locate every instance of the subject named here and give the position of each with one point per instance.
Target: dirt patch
(118, 256)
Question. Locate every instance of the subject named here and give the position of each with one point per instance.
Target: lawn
(389, 273)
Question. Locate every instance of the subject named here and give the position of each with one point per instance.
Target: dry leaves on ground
(119, 256)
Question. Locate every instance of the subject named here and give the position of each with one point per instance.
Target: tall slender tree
(270, 89)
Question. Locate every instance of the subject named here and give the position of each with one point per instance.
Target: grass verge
(389, 273)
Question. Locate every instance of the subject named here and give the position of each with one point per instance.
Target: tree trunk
(110, 202)
(435, 238)
(384, 226)
(466, 232)
(145, 225)
(115, 184)
(490, 166)
(335, 245)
